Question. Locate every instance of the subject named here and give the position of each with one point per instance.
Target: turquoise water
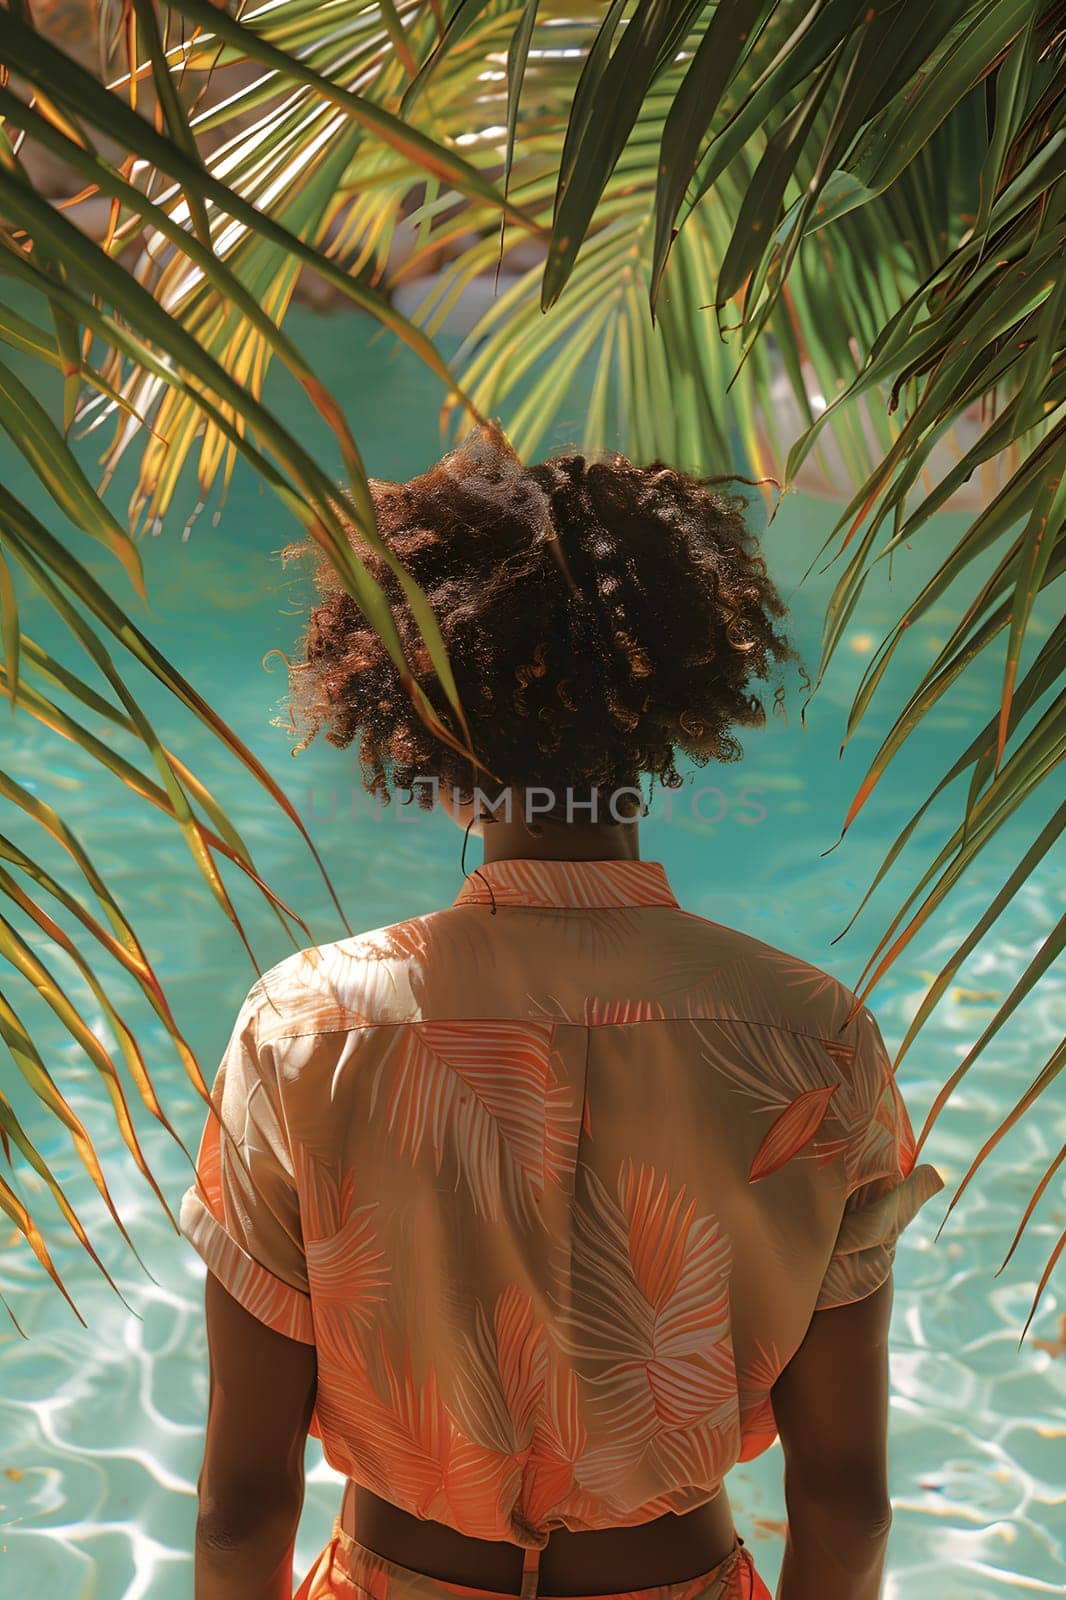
(101, 1428)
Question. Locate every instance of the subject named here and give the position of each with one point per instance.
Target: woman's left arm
(251, 1484)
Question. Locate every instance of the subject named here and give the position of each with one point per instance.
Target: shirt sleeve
(242, 1212)
(886, 1189)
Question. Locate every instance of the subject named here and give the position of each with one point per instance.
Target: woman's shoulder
(364, 979)
(782, 988)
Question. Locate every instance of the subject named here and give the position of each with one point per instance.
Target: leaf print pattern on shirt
(345, 1264)
(461, 1459)
(520, 1402)
(647, 1327)
(754, 1383)
(774, 1071)
(794, 1128)
(405, 1436)
(488, 1091)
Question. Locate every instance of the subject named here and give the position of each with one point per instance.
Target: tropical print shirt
(553, 1179)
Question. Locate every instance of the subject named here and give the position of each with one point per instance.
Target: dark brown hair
(598, 616)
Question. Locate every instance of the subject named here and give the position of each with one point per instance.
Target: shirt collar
(584, 885)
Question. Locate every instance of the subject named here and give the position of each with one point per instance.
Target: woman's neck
(548, 840)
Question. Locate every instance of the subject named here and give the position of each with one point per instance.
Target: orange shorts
(347, 1570)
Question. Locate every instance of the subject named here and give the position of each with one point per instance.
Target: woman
(545, 1209)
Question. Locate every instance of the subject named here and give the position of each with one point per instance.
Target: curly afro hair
(598, 616)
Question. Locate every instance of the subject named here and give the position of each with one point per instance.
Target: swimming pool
(101, 1429)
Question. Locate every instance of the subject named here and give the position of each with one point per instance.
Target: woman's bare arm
(831, 1408)
(252, 1481)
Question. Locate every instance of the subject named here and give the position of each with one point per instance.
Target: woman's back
(555, 1179)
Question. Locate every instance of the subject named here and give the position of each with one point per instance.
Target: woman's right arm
(831, 1408)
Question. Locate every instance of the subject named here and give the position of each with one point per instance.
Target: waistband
(376, 1575)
